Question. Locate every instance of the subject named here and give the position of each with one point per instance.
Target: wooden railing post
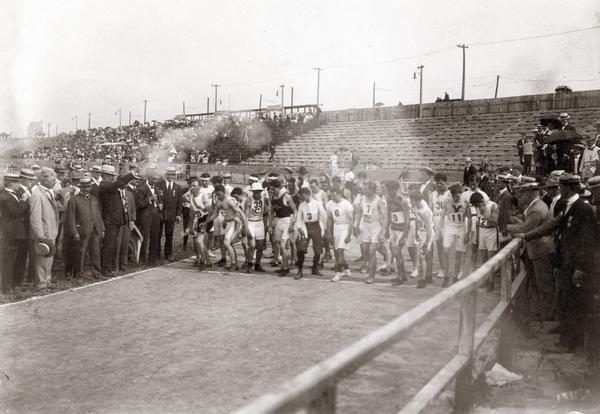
(463, 394)
(325, 404)
(506, 280)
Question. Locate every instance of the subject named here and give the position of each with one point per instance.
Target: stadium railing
(315, 389)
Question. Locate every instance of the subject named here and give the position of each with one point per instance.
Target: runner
(455, 234)
(438, 200)
(199, 206)
(255, 208)
(370, 225)
(424, 235)
(311, 225)
(339, 214)
(398, 211)
(487, 230)
(281, 219)
(234, 221)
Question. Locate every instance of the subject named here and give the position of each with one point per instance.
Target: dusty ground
(173, 339)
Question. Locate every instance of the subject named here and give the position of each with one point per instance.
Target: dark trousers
(571, 307)
(167, 227)
(14, 253)
(527, 163)
(71, 256)
(122, 246)
(313, 232)
(109, 247)
(544, 280)
(150, 229)
(90, 246)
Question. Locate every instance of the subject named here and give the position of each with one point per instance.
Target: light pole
(145, 103)
(462, 94)
(89, 120)
(119, 112)
(214, 85)
(282, 86)
(318, 82)
(420, 89)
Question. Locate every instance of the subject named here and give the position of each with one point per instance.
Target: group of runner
(386, 217)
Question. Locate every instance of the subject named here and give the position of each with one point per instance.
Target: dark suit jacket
(534, 217)
(506, 205)
(14, 217)
(467, 172)
(568, 127)
(577, 236)
(131, 207)
(145, 208)
(83, 216)
(486, 186)
(172, 200)
(110, 200)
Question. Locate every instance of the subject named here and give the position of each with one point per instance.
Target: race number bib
(336, 212)
(483, 221)
(367, 213)
(257, 207)
(397, 217)
(456, 217)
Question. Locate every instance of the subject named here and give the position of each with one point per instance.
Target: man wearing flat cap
(114, 205)
(576, 242)
(172, 197)
(539, 268)
(13, 232)
(84, 229)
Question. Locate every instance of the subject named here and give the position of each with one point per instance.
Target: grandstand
(438, 142)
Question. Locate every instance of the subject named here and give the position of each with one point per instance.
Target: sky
(67, 58)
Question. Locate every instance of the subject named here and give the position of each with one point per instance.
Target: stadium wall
(544, 102)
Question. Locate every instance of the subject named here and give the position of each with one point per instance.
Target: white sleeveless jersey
(257, 208)
(455, 215)
(370, 212)
(340, 211)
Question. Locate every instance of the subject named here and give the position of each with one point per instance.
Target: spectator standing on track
(114, 214)
(84, 226)
(148, 215)
(171, 196)
(124, 235)
(43, 222)
(13, 231)
(468, 170)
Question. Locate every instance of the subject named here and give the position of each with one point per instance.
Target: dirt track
(176, 340)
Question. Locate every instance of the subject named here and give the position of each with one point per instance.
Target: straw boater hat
(551, 182)
(171, 171)
(44, 247)
(27, 174)
(85, 182)
(108, 169)
(594, 182)
(564, 115)
(569, 179)
(10, 177)
(529, 187)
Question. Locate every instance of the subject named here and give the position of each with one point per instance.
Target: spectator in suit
(576, 247)
(468, 170)
(85, 228)
(43, 220)
(539, 266)
(148, 216)
(574, 166)
(129, 207)
(564, 119)
(171, 210)
(520, 144)
(113, 214)
(506, 206)
(552, 194)
(27, 180)
(13, 232)
(484, 181)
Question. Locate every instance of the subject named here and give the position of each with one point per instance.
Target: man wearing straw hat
(43, 220)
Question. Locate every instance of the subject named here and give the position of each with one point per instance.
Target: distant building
(35, 130)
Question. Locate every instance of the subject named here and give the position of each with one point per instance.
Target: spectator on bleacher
(468, 170)
(484, 181)
(564, 119)
(527, 155)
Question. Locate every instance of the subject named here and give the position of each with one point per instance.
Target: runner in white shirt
(255, 208)
(472, 187)
(321, 196)
(398, 211)
(455, 233)
(339, 225)
(371, 224)
(311, 224)
(438, 200)
(198, 213)
(424, 234)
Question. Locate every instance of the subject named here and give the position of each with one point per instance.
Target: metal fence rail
(315, 389)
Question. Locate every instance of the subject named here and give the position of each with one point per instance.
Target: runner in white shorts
(371, 224)
(455, 232)
(339, 226)
(254, 208)
(438, 200)
(424, 235)
(283, 210)
(398, 211)
(487, 227)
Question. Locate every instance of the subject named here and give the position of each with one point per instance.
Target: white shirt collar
(503, 190)
(530, 204)
(572, 199)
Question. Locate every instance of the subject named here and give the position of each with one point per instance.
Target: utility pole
(463, 47)
(318, 82)
(497, 82)
(260, 102)
(282, 102)
(76, 126)
(145, 103)
(119, 111)
(129, 118)
(207, 105)
(89, 120)
(228, 102)
(55, 130)
(49, 129)
(216, 95)
(373, 95)
(183, 108)
(420, 90)
(292, 99)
